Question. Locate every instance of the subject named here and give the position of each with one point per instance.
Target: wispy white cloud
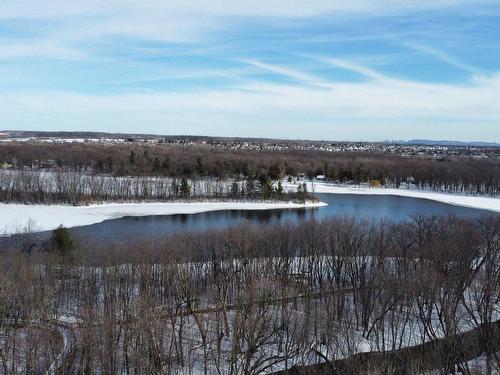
(294, 74)
(231, 74)
(43, 48)
(260, 106)
(188, 20)
(441, 55)
(383, 80)
(309, 100)
(353, 67)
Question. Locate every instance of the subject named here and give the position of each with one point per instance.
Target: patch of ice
(13, 217)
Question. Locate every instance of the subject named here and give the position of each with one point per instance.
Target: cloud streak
(440, 55)
(266, 68)
(296, 75)
(353, 67)
(408, 110)
(189, 20)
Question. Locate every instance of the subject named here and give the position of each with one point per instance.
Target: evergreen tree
(185, 188)
(61, 242)
(266, 188)
(302, 192)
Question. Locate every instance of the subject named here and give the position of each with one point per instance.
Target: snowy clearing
(17, 218)
(483, 203)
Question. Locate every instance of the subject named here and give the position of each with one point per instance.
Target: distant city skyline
(336, 70)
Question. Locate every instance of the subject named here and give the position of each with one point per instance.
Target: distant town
(426, 149)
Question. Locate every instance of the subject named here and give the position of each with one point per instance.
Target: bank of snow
(480, 202)
(14, 218)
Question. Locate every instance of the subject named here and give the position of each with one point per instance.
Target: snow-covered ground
(484, 203)
(19, 218)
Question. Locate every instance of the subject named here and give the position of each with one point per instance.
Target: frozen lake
(370, 207)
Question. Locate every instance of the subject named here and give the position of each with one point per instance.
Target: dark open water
(371, 207)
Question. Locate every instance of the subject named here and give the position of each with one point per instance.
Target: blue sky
(357, 70)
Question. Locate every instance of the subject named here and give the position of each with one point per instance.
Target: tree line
(35, 187)
(253, 300)
(451, 174)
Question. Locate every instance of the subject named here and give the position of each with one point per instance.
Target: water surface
(371, 207)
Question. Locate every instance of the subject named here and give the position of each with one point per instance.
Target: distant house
(321, 177)
(6, 165)
(375, 183)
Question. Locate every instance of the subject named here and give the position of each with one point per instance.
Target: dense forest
(198, 161)
(413, 297)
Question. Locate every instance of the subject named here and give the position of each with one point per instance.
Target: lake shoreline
(21, 218)
(478, 202)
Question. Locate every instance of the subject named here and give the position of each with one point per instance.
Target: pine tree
(266, 188)
(61, 242)
(185, 188)
(302, 192)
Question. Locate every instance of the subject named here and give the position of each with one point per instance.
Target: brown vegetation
(195, 161)
(250, 300)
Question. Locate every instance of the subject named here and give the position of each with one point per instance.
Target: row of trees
(454, 174)
(251, 300)
(83, 188)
